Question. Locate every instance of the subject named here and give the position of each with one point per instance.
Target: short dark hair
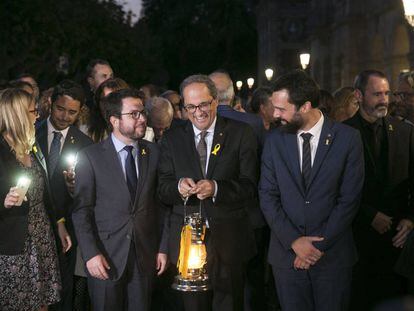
(199, 78)
(68, 88)
(113, 102)
(361, 80)
(260, 97)
(114, 84)
(300, 86)
(91, 65)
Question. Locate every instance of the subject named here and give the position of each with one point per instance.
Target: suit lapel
(143, 162)
(41, 138)
(291, 144)
(325, 142)
(113, 165)
(37, 151)
(217, 146)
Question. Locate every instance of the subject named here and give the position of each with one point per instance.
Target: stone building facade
(343, 38)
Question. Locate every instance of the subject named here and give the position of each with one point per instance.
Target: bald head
(160, 115)
(224, 85)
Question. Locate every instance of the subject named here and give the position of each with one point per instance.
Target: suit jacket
(106, 219)
(256, 123)
(74, 142)
(393, 195)
(326, 208)
(233, 167)
(13, 221)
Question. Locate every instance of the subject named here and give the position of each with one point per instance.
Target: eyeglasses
(35, 112)
(136, 114)
(204, 106)
(404, 95)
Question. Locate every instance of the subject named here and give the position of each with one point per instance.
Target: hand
(64, 237)
(186, 187)
(305, 250)
(404, 228)
(12, 198)
(70, 180)
(381, 223)
(205, 189)
(97, 267)
(300, 264)
(161, 264)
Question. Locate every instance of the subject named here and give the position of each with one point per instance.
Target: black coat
(233, 167)
(13, 221)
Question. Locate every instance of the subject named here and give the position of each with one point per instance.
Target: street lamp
(304, 60)
(269, 74)
(250, 82)
(239, 85)
(409, 11)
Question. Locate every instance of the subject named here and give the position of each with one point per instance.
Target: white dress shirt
(122, 153)
(50, 135)
(316, 134)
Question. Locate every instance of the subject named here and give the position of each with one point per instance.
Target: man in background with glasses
(212, 162)
(115, 211)
(404, 105)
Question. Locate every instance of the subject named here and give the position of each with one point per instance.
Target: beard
(291, 126)
(378, 111)
(134, 133)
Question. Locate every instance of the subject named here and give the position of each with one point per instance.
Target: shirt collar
(209, 130)
(316, 129)
(51, 129)
(119, 145)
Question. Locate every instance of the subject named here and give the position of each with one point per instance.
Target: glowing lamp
(191, 263)
(250, 82)
(409, 11)
(269, 74)
(239, 85)
(304, 60)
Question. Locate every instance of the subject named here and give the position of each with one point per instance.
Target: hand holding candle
(17, 194)
(69, 174)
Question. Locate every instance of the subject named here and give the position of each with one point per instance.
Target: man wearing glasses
(211, 162)
(115, 211)
(404, 106)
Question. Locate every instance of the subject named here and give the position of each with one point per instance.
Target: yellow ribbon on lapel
(216, 149)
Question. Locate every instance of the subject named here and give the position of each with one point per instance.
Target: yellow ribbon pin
(390, 127)
(34, 149)
(216, 149)
(143, 152)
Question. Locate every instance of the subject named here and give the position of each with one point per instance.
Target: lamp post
(409, 11)
(304, 60)
(269, 74)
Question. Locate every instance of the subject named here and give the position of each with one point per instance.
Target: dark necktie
(54, 153)
(202, 151)
(131, 173)
(306, 159)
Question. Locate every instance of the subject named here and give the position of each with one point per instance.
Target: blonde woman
(345, 105)
(29, 277)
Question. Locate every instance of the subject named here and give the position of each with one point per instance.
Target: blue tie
(306, 159)
(131, 173)
(54, 153)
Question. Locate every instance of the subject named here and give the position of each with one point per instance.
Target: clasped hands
(382, 223)
(203, 188)
(306, 253)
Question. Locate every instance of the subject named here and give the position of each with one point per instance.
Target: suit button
(307, 202)
(128, 236)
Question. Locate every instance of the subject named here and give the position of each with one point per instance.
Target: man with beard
(386, 213)
(311, 179)
(115, 210)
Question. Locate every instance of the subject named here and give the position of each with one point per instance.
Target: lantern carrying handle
(185, 205)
